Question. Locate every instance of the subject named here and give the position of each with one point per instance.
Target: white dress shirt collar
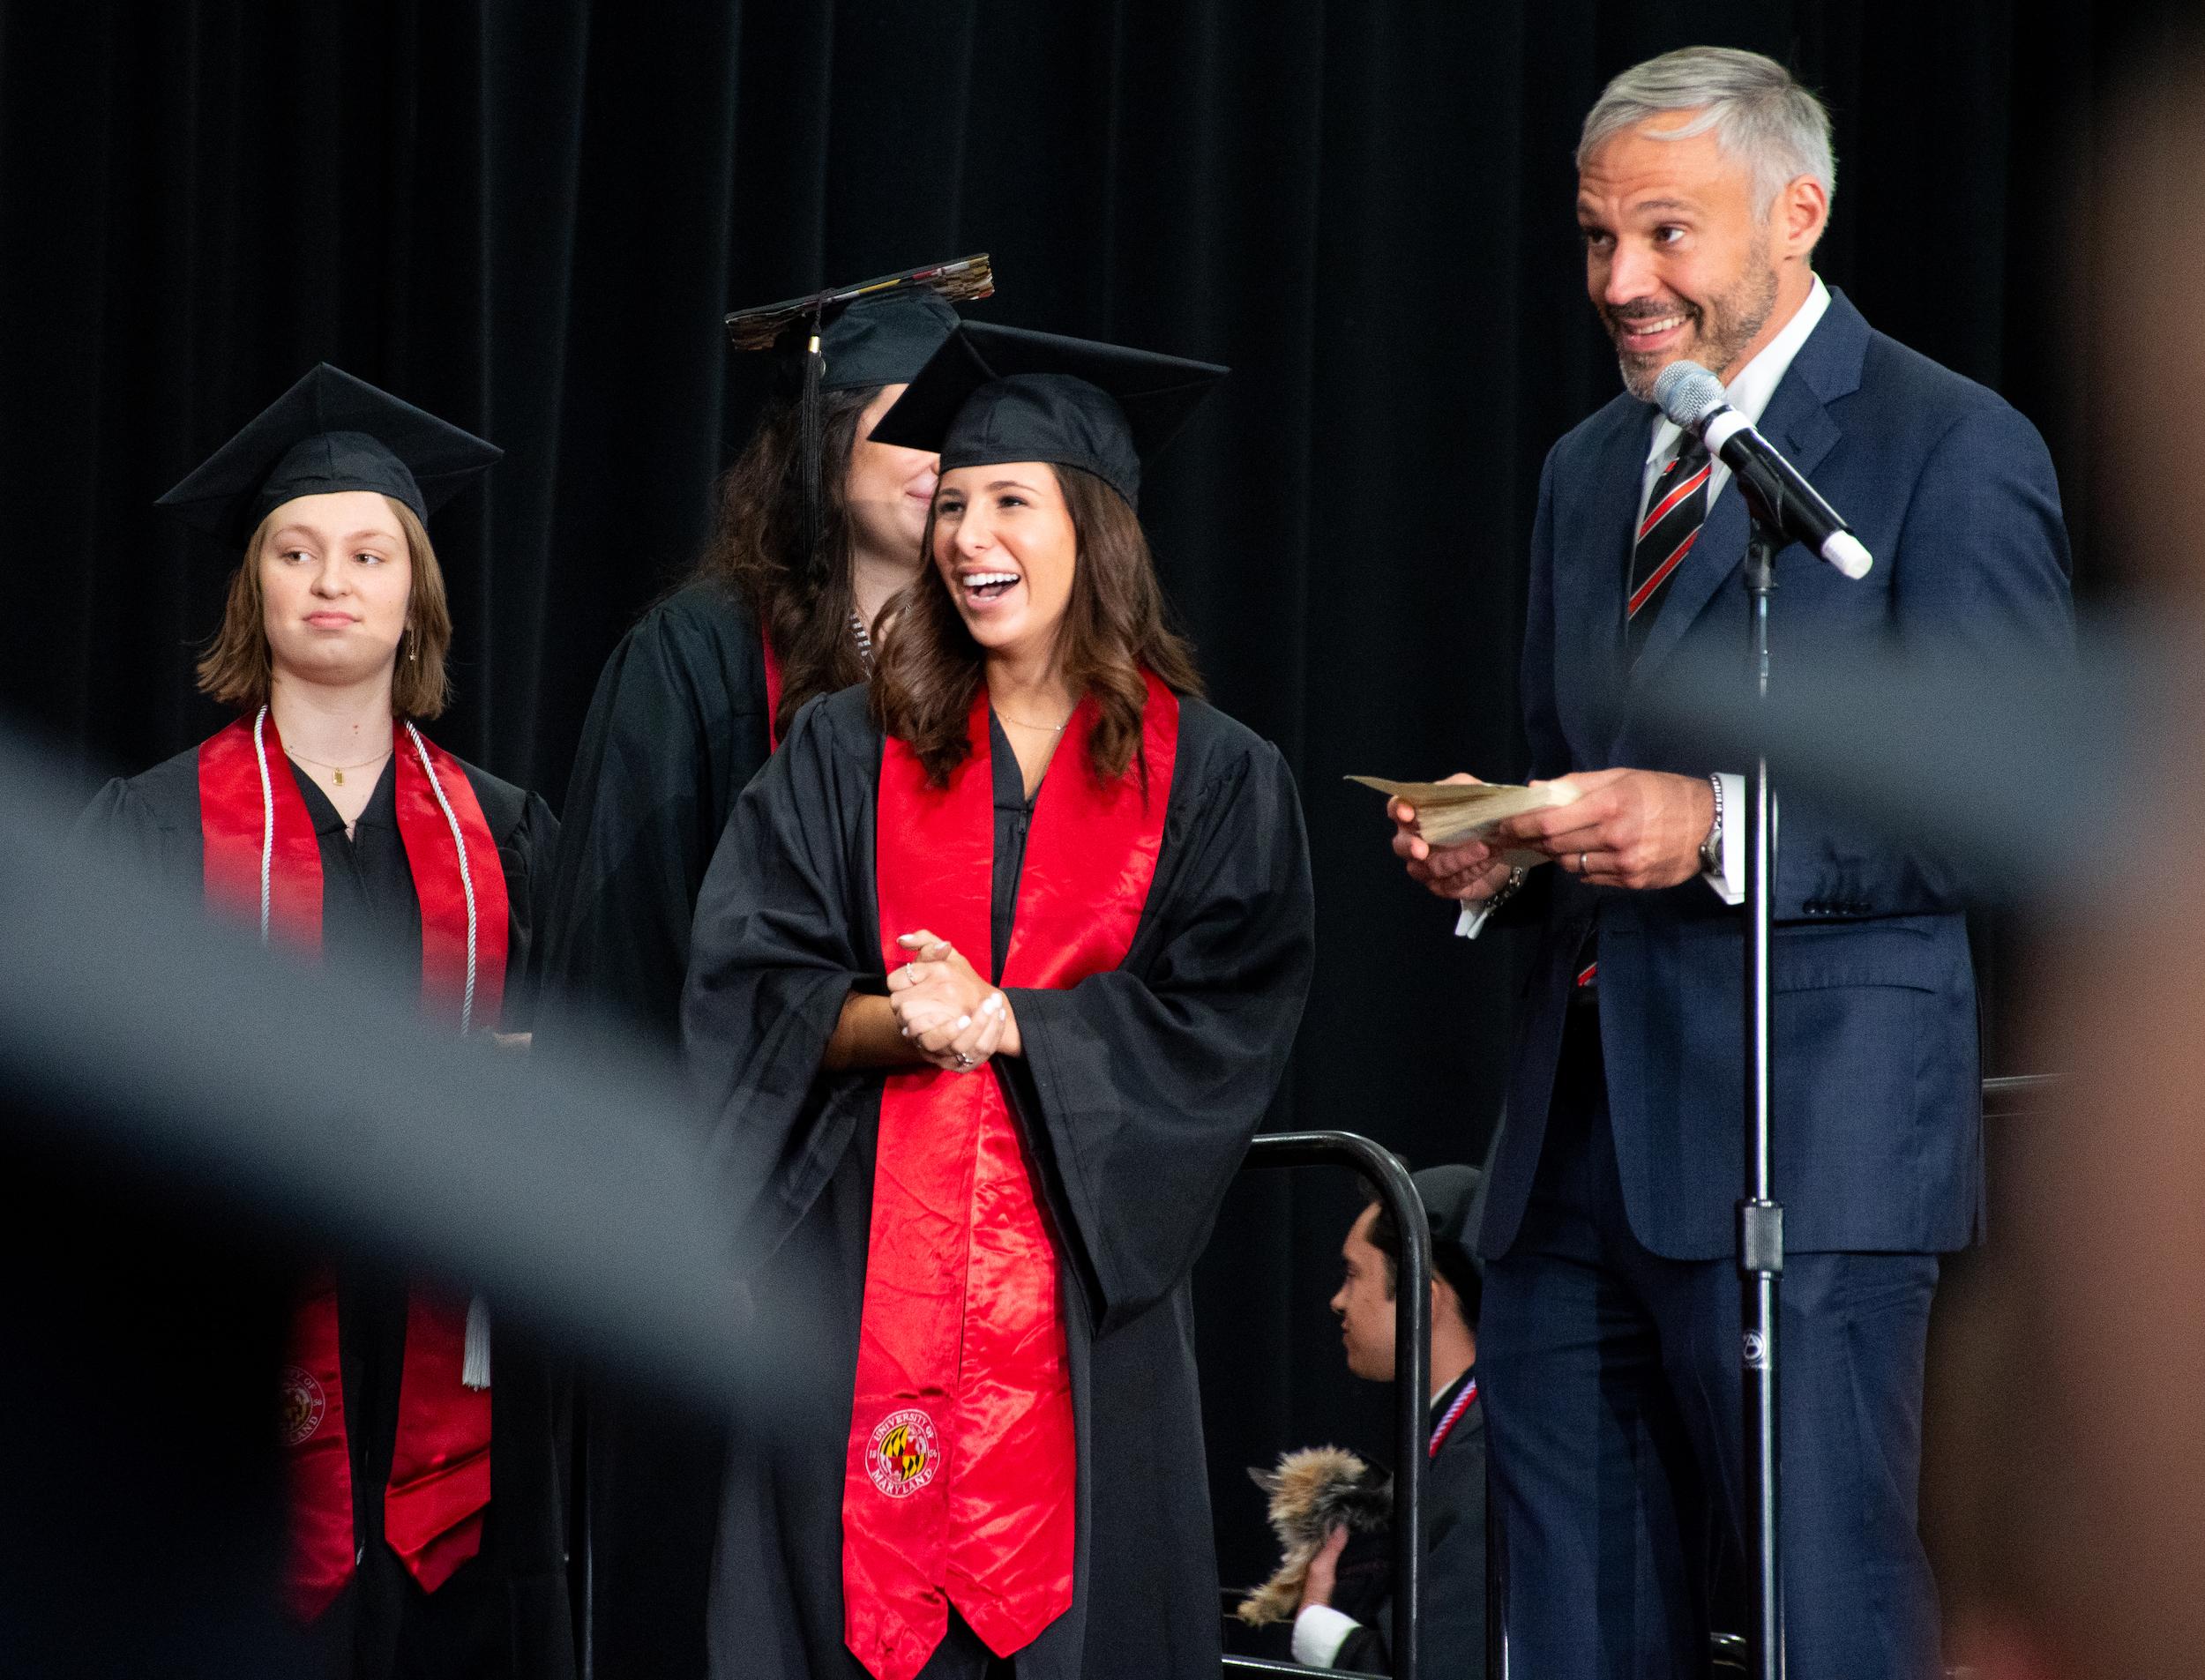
(1756, 382)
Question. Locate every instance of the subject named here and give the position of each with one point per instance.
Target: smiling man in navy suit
(1612, 1315)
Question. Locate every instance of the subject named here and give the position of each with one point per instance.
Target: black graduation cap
(874, 332)
(1454, 1204)
(329, 432)
(1000, 394)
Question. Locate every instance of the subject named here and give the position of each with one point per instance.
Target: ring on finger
(965, 1063)
(1584, 863)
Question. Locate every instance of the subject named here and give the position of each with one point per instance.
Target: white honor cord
(267, 819)
(467, 881)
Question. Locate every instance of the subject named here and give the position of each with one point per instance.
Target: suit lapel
(1798, 422)
(1588, 591)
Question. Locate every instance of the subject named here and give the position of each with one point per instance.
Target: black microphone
(1693, 397)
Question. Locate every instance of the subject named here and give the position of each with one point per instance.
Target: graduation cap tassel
(887, 347)
(813, 515)
(475, 1359)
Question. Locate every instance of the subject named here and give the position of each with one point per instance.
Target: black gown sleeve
(1143, 1085)
(148, 825)
(527, 837)
(527, 854)
(1366, 1650)
(118, 824)
(781, 937)
(675, 730)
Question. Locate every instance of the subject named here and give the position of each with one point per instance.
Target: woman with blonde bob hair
(323, 817)
(238, 669)
(991, 979)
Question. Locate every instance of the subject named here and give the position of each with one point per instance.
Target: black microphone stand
(1764, 480)
(1760, 1217)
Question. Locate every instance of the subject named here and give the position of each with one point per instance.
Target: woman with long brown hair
(428, 1529)
(818, 526)
(993, 978)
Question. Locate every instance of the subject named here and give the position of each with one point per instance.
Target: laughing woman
(327, 818)
(992, 977)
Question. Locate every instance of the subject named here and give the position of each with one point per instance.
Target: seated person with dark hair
(1346, 1616)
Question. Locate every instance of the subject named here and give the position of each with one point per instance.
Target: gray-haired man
(1611, 1323)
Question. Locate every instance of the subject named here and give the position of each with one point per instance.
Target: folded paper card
(1450, 813)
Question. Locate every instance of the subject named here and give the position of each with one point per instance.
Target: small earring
(412, 646)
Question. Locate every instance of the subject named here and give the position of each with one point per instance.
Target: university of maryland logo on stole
(302, 1406)
(904, 1453)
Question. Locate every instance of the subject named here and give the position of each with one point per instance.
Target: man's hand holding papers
(1462, 838)
(1445, 832)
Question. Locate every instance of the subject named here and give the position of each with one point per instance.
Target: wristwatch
(1711, 848)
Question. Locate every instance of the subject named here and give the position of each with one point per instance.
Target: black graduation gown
(676, 731)
(505, 1611)
(1453, 1618)
(1136, 1094)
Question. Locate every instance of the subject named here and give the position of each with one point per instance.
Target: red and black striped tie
(1674, 514)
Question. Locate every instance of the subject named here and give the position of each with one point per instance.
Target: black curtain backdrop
(530, 216)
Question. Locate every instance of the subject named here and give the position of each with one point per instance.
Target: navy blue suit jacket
(1879, 1114)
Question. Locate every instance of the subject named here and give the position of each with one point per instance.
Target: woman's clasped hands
(950, 1015)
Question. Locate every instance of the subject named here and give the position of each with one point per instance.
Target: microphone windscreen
(1688, 393)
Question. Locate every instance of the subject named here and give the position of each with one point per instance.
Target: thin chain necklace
(1052, 728)
(337, 772)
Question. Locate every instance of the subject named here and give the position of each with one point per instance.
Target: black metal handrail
(1412, 1364)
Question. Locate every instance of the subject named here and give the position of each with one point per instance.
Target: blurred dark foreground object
(180, 1117)
(2070, 1456)
(2029, 780)
(2072, 1512)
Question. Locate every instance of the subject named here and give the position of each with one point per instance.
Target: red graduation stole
(962, 1468)
(772, 696)
(262, 861)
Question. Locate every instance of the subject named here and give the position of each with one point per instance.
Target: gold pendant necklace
(337, 772)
